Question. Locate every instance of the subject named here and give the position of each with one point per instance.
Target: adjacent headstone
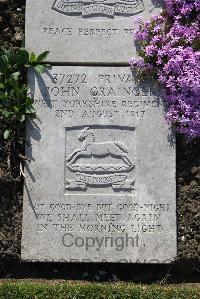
(100, 183)
(85, 31)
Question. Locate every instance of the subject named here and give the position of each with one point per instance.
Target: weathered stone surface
(100, 185)
(85, 31)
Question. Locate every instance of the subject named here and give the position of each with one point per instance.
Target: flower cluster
(170, 52)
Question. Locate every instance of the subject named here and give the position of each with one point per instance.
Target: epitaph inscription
(100, 183)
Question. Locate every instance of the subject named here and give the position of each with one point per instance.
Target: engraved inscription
(67, 32)
(100, 177)
(110, 96)
(86, 31)
(105, 224)
(99, 172)
(92, 8)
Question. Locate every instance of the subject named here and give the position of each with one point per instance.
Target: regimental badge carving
(93, 8)
(99, 173)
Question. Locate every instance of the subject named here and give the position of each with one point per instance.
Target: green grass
(63, 290)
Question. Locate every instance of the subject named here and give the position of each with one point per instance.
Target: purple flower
(169, 44)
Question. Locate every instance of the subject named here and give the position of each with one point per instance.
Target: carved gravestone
(85, 31)
(100, 182)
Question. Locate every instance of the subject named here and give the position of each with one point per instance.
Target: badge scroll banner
(93, 9)
(88, 9)
(82, 181)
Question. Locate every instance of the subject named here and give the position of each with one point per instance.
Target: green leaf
(8, 53)
(42, 56)
(22, 118)
(32, 58)
(6, 113)
(22, 57)
(21, 140)
(23, 91)
(16, 109)
(3, 64)
(3, 96)
(48, 66)
(11, 93)
(15, 76)
(16, 87)
(29, 101)
(30, 110)
(7, 133)
(15, 103)
(40, 69)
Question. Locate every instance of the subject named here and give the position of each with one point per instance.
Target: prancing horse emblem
(97, 173)
(90, 148)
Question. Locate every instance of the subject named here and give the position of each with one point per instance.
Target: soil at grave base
(12, 19)
(11, 195)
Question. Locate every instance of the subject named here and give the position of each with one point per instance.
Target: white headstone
(100, 183)
(85, 31)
